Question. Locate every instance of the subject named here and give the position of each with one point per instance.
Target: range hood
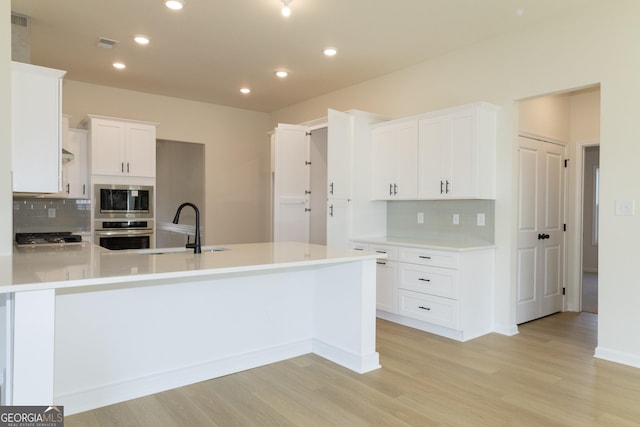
(66, 156)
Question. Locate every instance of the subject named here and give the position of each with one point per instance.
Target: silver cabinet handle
(68, 188)
(331, 188)
(391, 189)
(331, 210)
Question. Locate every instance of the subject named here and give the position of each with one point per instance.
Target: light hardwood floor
(544, 376)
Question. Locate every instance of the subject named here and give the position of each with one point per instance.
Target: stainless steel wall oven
(123, 216)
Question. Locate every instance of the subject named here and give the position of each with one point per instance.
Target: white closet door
(540, 253)
(291, 183)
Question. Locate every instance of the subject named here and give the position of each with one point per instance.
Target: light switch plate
(456, 219)
(420, 218)
(625, 207)
(480, 220)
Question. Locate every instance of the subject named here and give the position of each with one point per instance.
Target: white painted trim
(348, 359)
(574, 288)
(617, 356)
(508, 330)
(109, 394)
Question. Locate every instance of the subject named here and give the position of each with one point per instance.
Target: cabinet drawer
(429, 257)
(429, 280)
(391, 251)
(436, 310)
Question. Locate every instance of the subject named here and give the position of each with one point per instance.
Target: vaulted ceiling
(212, 48)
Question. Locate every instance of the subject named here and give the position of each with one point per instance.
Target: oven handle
(146, 232)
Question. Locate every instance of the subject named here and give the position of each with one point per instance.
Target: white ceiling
(211, 48)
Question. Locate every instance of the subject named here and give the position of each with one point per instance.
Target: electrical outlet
(51, 212)
(456, 219)
(420, 217)
(480, 219)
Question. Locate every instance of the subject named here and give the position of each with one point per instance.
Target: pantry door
(540, 250)
(290, 183)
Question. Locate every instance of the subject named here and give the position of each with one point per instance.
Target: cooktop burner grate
(47, 238)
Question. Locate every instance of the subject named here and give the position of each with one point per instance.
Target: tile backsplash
(438, 219)
(37, 215)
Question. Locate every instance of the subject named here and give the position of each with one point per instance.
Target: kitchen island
(87, 327)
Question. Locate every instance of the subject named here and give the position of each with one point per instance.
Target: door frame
(574, 300)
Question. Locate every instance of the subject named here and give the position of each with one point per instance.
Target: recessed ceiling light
(174, 4)
(520, 11)
(245, 90)
(119, 65)
(282, 74)
(141, 40)
(286, 10)
(330, 51)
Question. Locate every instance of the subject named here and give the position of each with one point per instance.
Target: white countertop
(439, 244)
(65, 266)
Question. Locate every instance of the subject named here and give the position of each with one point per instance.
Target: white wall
(236, 151)
(598, 44)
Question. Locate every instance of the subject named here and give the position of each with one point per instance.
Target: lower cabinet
(446, 292)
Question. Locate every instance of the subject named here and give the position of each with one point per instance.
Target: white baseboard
(342, 357)
(618, 357)
(109, 394)
(508, 330)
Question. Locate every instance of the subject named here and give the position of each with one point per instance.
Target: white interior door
(291, 183)
(540, 252)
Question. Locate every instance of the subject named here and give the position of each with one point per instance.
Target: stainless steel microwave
(123, 201)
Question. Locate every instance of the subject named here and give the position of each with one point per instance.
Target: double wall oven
(123, 216)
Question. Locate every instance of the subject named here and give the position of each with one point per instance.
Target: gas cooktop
(47, 238)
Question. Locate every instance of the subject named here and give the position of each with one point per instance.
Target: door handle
(543, 236)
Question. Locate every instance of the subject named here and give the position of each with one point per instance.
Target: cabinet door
(449, 155)
(433, 157)
(395, 151)
(107, 147)
(338, 220)
(290, 177)
(76, 179)
(339, 155)
(140, 150)
(36, 134)
(386, 285)
(462, 155)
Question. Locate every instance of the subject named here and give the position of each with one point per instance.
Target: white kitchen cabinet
(36, 129)
(456, 153)
(395, 169)
(386, 276)
(445, 292)
(121, 147)
(75, 176)
(323, 166)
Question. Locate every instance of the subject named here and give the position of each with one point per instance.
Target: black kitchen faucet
(195, 245)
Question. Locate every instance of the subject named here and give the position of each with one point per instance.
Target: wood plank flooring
(544, 376)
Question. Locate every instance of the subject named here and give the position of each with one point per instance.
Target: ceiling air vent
(106, 43)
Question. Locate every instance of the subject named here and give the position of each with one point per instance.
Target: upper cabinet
(456, 154)
(395, 171)
(121, 147)
(447, 154)
(75, 177)
(36, 129)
